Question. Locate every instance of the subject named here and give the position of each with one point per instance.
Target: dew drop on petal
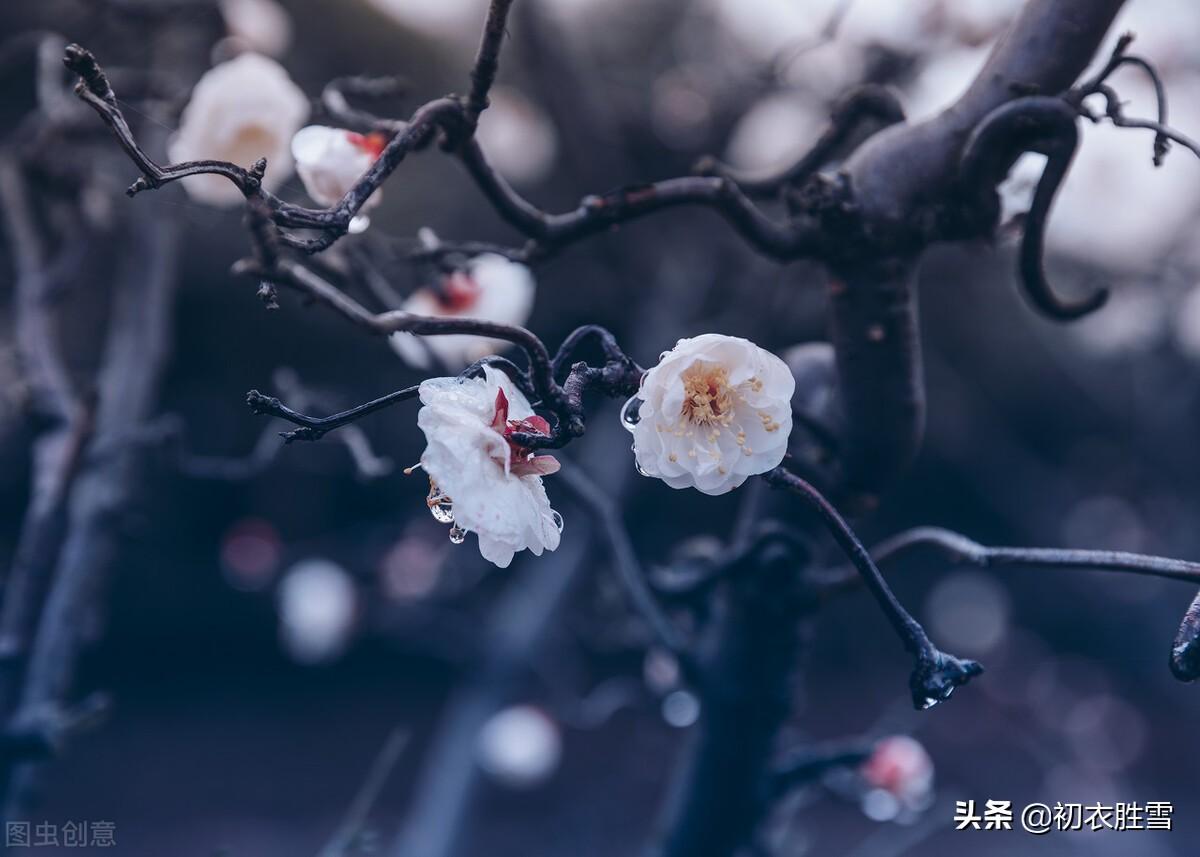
(638, 468)
(457, 535)
(558, 520)
(358, 224)
(629, 413)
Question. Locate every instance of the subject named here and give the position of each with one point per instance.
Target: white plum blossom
(492, 288)
(239, 111)
(713, 412)
(330, 161)
(479, 477)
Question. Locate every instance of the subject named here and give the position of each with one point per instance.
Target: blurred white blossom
(944, 77)
(317, 602)
(449, 19)
(486, 483)
(492, 288)
(517, 137)
(968, 612)
(899, 774)
(1134, 319)
(713, 412)
(680, 708)
(774, 132)
(258, 25)
(520, 747)
(239, 111)
(1186, 320)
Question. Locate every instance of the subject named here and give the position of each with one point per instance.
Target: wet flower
(481, 480)
(239, 111)
(714, 411)
(491, 288)
(330, 161)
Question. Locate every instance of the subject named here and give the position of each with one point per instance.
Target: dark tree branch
(797, 238)
(65, 426)
(1185, 653)
(873, 326)
(935, 673)
(868, 103)
(314, 428)
(135, 352)
(302, 279)
(629, 570)
(725, 789)
(353, 821)
(487, 61)
(1162, 133)
(957, 548)
(807, 764)
(1032, 124)
(517, 625)
(335, 99)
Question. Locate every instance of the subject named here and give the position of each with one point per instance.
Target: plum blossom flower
(480, 479)
(714, 411)
(491, 288)
(239, 111)
(330, 161)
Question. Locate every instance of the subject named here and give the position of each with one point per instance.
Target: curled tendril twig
(1035, 123)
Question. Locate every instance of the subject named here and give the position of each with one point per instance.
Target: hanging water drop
(440, 506)
(638, 468)
(457, 535)
(558, 520)
(631, 413)
(358, 224)
(928, 703)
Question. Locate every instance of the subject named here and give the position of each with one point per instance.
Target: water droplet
(440, 506)
(638, 468)
(931, 701)
(457, 534)
(558, 520)
(630, 413)
(358, 224)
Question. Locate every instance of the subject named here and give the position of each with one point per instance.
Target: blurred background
(270, 616)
